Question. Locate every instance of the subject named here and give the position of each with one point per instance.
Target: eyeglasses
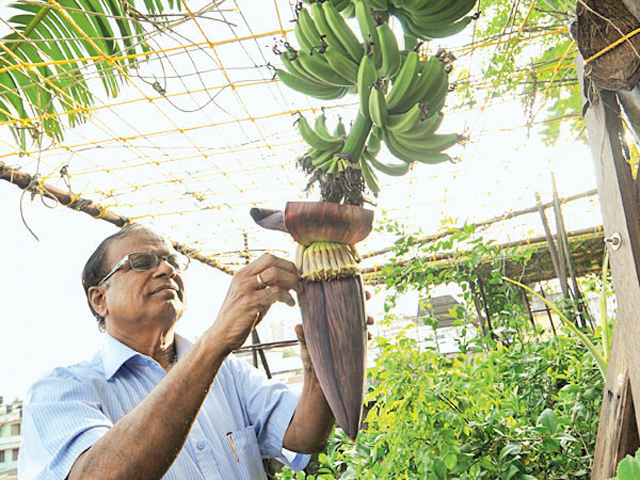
(144, 262)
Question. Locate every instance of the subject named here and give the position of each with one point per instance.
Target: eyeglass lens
(148, 261)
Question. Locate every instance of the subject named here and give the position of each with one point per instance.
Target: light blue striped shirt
(69, 409)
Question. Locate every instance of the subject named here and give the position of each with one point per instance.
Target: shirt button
(200, 445)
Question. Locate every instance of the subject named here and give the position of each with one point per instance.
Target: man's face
(135, 299)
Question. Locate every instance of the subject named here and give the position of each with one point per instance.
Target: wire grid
(202, 133)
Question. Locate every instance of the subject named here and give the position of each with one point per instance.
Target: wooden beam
(620, 218)
(618, 430)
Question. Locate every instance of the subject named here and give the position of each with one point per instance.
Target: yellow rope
(612, 46)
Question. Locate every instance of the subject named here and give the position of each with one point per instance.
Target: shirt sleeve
(62, 419)
(270, 406)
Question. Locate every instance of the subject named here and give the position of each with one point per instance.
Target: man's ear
(98, 299)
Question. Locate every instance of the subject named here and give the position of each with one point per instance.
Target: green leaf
(511, 448)
(450, 461)
(548, 420)
(628, 469)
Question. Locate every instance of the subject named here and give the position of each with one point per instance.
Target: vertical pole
(562, 277)
(528, 305)
(255, 338)
(563, 244)
(548, 310)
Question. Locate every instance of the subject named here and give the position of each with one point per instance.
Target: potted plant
(401, 96)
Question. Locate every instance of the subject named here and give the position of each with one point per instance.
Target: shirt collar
(114, 353)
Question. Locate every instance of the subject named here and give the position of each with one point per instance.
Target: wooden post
(563, 244)
(617, 435)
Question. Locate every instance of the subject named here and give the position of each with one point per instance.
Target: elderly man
(150, 404)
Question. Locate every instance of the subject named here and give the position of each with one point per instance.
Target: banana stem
(357, 138)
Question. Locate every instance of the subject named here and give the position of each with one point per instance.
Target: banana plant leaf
(51, 51)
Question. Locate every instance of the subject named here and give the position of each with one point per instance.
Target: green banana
(454, 12)
(404, 122)
(340, 130)
(290, 60)
(378, 104)
(326, 32)
(357, 138)
(430, 86)
(379, 5)
(447, 30)
(436, 95)
(374, 143)
(310, 136)
(370, 177)
(408, 27)
(437, 142)
(423, 129)
(313, 89)
(389, 50)
(367, 75)
(401, 86)
(396, 149)
(309, 29)
(338, 5)
(317, 67)
(427, 7)
(393, 170)
(349, 11)
(303, 42)
(343, 32)
(342, 64)
(422, 150)
(435, 158)
(320, 127)
(321, 157)
(368, 29)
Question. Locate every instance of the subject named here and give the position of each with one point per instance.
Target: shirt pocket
(245, 454)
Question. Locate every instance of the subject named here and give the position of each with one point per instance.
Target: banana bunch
(400, 95)
(428, 19)
(326, 65)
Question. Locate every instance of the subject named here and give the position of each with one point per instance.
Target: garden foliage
(517, 402)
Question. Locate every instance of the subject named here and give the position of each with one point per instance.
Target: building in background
(10, 437)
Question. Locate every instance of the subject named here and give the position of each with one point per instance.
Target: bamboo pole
(32, 184)
(491, 221)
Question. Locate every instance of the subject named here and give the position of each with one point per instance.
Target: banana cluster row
(325, 147)
(326, 64)
(324, 261)
(406, 115)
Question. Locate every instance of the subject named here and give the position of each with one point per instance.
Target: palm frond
(54, 47)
